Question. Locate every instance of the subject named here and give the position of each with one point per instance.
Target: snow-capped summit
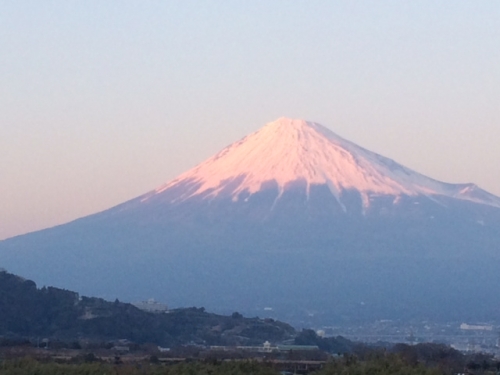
(286, 151)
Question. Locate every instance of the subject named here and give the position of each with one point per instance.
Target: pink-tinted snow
(288, 150)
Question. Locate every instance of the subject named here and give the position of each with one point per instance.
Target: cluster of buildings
(267, 348)
(151, 306)
(466, 337)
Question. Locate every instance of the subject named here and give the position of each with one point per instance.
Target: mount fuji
(292, 221)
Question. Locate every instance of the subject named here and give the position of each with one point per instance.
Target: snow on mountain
(422, 250)
(286, 151)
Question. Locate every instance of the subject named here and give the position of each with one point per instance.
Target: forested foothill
(61, 316)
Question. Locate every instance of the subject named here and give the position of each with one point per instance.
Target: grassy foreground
(385, 364)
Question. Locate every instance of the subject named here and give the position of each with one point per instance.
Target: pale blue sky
(101, 101)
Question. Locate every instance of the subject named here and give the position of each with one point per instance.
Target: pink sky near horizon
(103, 101)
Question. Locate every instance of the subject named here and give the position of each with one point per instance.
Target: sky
(102, 101)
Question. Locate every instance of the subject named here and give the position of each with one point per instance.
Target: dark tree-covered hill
(28, 311)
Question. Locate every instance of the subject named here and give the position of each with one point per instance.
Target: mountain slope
(292, 218)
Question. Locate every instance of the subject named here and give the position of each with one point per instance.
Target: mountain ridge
(311, 256)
